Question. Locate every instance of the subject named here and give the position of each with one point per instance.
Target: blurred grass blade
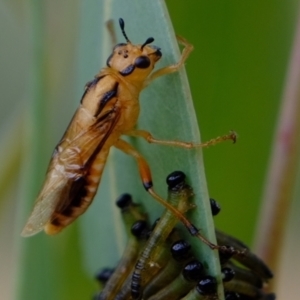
(12, 144)
(284, 167)
(48, 268)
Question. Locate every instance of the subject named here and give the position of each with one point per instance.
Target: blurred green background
(236, 74)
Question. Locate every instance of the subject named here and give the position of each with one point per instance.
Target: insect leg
(145, 174)
(188, 48)
(143, 166)
(150, 139)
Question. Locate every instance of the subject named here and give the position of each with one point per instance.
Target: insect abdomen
(82, 193)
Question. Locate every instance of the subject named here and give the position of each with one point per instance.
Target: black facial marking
(128, 70)
(106, 97)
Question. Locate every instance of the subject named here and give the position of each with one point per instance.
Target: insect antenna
(122, 25)
(148, 41)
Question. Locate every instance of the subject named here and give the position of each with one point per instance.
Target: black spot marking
(127, 71)
(174, 179)
(193, 270)
(207, 285)
(215, 206)
(139, 229)
(124, 201)
(180, 250)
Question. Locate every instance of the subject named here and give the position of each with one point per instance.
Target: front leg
(150, 139)
(188, 48)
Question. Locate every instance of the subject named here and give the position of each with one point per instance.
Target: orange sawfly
(109, 108)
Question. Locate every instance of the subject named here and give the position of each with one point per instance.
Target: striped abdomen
(81, 194)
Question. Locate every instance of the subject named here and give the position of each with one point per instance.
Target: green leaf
(167, 112)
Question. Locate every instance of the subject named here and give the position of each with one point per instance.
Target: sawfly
(109, 108)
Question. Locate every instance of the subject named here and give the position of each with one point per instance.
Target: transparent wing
(70, 163)
(51, 194)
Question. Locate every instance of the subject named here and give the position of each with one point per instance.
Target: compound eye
(142, 62)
